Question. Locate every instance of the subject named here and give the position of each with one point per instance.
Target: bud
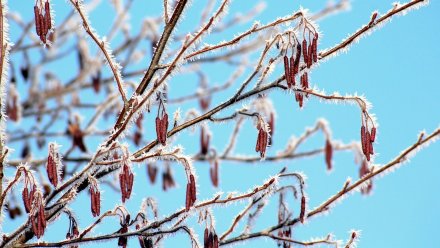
(152, 172)
(96, 82)
(167, 179)
(204, 141)
(137, 137)
(24, 70)
(73, 129)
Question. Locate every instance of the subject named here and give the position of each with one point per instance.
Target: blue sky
(395, 68)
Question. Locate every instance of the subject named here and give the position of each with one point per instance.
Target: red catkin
(304, 48)
(126, 178)
(206, 238)
(164, 129)
(371, 148)
(188, 196)
(25, 196)
(373, 134)
(215, 243)
(300, 99)
(122, 186)
(37, 217)
(37, 20)
(292, 73)
(193, 189)
(213, 173)
(328, 154)
(287, 71)
(297, 58)
(47, 15)
(257, 146)
(367, 145)
(310, 54)
(95, 197)
(261, 142)
(363, 139)
(158, 129)
(210, 240)
(302, 214)
(43, 28)
(315, 48)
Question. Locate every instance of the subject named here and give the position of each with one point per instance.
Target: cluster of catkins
(210, 239)
(162, 125)
(37, 217)
(53, 164)
(262, 139)
(34, 204)
(126, 179)
(367, 139)
(309, 51)
(43, 22)
(95, 196)
(190, 192)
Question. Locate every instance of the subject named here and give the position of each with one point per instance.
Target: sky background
(395, 68)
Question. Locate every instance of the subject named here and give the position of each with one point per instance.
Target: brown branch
(101, 45)
(169, 27)
(368, 27)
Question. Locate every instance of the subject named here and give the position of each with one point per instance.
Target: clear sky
(395, 68)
